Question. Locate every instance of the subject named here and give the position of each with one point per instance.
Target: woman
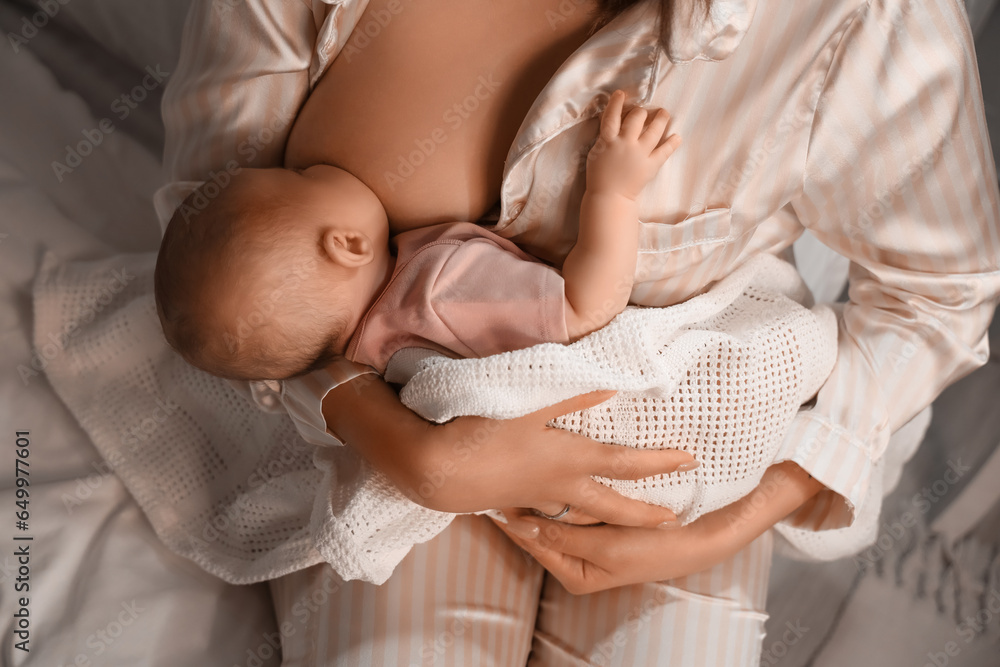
(861, 121)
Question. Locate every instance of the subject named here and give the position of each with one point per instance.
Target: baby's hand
(626, 156)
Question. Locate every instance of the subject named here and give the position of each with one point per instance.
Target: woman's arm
(898, 177)
(471, 463)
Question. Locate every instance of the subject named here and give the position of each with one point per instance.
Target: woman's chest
(425, 98)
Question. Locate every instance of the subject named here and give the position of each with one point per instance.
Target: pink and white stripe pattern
(471, 597)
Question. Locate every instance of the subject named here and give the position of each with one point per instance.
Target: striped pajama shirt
(860, 120)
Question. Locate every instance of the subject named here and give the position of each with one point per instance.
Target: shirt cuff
(837, 459)
(303, 398)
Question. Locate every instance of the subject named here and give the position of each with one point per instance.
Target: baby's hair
(237, 241)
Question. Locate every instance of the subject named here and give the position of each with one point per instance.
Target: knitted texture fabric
(720, 376)
(238, 491)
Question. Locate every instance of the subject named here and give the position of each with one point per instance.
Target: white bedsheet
(102, 585)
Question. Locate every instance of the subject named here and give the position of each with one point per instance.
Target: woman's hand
(586, 559)
(472, 463)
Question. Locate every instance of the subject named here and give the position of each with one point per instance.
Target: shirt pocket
(668, 250)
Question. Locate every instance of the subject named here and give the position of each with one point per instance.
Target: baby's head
(269, 280)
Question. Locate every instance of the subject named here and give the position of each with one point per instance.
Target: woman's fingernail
(690, 465)
(667, 525)
(526, 530)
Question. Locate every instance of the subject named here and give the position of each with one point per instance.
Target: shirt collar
(697, 36)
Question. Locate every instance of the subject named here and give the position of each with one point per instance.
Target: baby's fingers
(634, 121)
(611, 120)
(667, 148)
(653, 134)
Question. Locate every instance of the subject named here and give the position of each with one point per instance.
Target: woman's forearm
(366, 414)
(784, 488)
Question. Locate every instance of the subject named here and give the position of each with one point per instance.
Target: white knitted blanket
(237, 491)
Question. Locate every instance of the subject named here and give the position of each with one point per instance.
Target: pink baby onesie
(462, 291)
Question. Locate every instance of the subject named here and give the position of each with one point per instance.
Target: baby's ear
(349, 248)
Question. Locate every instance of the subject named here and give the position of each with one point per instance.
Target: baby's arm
(598, 271)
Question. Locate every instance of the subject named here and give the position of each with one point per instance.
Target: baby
(286, 270)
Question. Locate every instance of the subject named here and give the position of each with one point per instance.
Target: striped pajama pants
(471, 597)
